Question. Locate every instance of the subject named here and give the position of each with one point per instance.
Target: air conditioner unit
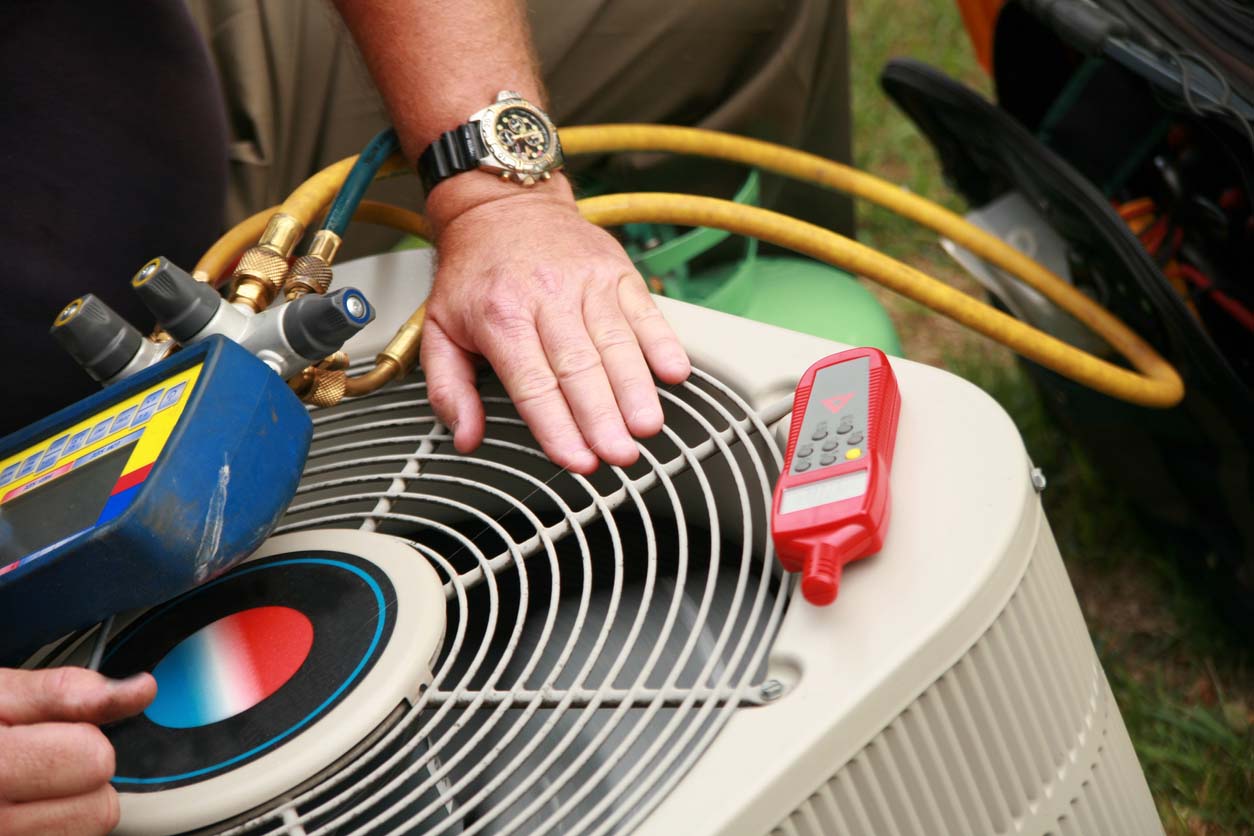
(621, 652)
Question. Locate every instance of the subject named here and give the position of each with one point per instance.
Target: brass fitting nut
(263, 271)
(336, 362)
(262, 265)
(256, 295)
(328, 388)
(309, 274)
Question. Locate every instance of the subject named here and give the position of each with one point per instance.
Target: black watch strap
(452, 153)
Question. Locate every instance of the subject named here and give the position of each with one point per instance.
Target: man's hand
(560, 312)
(55, 764)
(551, 301)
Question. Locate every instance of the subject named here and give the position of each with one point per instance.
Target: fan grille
(601, 630)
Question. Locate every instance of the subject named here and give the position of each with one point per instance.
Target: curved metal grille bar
(601, 630)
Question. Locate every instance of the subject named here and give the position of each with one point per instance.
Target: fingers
(53, 760)
(512, 346)
(661, 347)
(90, 814)
(624, 364)
(450, 371)
(581, 376)
(74, 695)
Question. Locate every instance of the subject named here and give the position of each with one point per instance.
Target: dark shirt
(112, 150)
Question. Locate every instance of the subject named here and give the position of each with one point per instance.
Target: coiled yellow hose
(1155, 382)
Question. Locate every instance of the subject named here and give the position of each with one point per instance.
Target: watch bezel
(502, 159)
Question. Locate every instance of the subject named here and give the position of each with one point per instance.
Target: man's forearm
(435, 63)
(552, 302)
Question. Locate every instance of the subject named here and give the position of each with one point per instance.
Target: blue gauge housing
(143, 491)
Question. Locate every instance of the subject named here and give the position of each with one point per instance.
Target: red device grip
(839, 505)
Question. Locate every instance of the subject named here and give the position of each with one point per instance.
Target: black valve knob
(96, 336)
(316, 326)
(182, 305)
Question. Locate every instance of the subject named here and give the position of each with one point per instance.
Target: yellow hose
(311, 199)
(833, 175)
(1157, 384)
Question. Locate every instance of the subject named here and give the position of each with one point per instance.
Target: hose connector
(397, 359)
(403, 348)
(311, 272)
(320, 387)
(261, 270)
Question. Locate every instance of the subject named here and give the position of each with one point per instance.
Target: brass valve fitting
(311, 272)
(259, 275)
(320, 387)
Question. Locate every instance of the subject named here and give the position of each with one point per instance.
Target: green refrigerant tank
(792, 292)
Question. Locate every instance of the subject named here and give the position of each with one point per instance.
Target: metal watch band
(452, 153)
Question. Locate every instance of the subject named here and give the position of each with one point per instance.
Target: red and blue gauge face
(229, 666)
(246, 662)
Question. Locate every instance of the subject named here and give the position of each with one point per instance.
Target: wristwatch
(510, 137)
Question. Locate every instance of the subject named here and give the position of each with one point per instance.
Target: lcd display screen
(836, 489)
(59, 509)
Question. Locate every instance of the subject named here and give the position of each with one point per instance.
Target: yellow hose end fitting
(384, 372)
(325, 245)
(282, 234)
(403, 348)
(397, 359)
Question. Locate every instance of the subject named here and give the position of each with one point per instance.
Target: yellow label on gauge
(145, 420)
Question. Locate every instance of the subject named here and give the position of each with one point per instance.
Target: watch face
(523, 136)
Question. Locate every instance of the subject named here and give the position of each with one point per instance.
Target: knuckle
(575, 363)
(504, 313)
(547, 280)
(534, 385)
(615, 336)
(104, 811)
(64, 687)
(605, 415)
(646, 314)
(441, 394)
(92, 752)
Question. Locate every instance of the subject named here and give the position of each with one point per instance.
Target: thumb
(71, 695)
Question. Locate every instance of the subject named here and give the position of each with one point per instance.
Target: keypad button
(819, 434)
(853, 453)
(801, 465)
(805, 450)
(827, 459)
(831, 444)
(844, 428)
(856, 438)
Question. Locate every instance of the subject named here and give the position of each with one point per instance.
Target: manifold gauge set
(354, 628)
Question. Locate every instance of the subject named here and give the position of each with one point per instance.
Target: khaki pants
(299, 98)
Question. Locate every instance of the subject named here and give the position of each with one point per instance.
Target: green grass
(1184, 685)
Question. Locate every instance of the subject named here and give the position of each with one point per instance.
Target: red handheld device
(831, 501)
